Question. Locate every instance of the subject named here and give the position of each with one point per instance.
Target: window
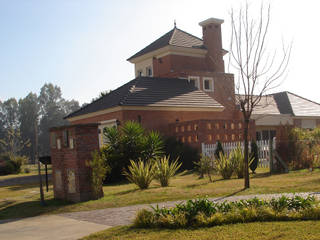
(139, 73)
(149, 71)
(194, 81)
(65, 135)
(207, 84)
(104, 125)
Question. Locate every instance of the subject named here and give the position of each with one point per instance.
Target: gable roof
(175, 37)
(287, 103)
(153, 92)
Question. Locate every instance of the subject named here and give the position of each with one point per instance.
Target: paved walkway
(125, 215)
(75, 225)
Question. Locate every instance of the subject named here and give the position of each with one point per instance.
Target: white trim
(197, 79)
(211, 21)
(108, 121)
(147, 108)
(210, 85)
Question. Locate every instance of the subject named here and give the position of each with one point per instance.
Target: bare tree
(259, 69)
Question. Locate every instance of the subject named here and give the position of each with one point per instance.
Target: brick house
(181, 89)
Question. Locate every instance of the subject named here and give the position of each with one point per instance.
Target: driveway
(47, 227)
(75, 225)
(23, 180)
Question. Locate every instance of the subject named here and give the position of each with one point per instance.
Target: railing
(228, 147)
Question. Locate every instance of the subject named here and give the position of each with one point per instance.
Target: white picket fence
(228, 147)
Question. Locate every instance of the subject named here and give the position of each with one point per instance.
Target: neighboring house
(284, 108)
(181, 89)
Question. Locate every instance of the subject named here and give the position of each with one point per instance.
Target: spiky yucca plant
(140, 173)
(225, 165)
(164, 170)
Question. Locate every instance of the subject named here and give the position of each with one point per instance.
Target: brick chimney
(211, 30)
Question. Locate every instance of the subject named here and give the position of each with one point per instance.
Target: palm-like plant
(164, 170)
(140, 173)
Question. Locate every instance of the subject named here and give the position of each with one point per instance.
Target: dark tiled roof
(175, 37)
(154, 92)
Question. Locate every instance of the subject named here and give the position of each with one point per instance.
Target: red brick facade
(71, 147)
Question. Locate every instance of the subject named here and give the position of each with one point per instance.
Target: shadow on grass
(260, 175)
(31, 209)
(230, 195)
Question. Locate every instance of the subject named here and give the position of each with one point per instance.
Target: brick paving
(125, 215)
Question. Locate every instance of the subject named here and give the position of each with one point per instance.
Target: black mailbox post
(46, 160)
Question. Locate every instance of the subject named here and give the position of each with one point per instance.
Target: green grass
(254, 231)
(23, 200)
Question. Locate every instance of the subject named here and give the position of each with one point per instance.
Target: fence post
(271, 155)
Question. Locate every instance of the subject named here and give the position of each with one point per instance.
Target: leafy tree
(53, 108)
(28, 114)
(10, 113)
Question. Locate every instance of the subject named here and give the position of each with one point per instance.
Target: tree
(259, 69)
(28, 113)
(13, 142)
(53, 108)
(9, 113)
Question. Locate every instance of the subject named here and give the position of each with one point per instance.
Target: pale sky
(82, 45)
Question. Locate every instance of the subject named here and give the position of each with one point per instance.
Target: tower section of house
(178, 54)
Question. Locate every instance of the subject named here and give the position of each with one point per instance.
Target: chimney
(211, 30)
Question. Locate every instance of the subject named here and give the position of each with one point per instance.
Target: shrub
(98, 174)
(224, 165)
(164, 170)
(218, 150)
(254, 155)
(205, 166)
(27, 170)
(129, 142)
(237, 157)
(238, 160)
(204, 213)
(10, 164)
(176, 149)
(140, 173)
(6, 167)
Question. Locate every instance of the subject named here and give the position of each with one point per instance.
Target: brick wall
(71, 176)
(209, 131)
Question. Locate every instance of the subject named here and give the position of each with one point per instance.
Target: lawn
(262, 231)
(23, 200)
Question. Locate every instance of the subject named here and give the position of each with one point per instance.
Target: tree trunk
(246, 154)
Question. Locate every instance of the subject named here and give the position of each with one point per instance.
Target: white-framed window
(139, 73)
(195, 81)
(105, 124)
(149, 71)
(208, 84)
